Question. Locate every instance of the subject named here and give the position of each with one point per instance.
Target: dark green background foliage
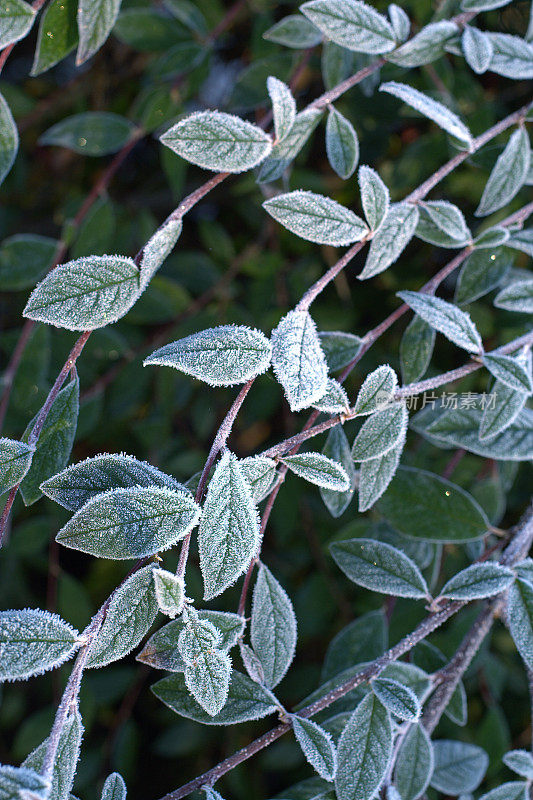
(233, 263)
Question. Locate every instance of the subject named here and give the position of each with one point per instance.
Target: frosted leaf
(379, 567)
(320, 470)
(157, 248)
(414, 764)
(376, 474)
(338, 449)
(459, 767)
(9, 139)
(298, 360)
(169, 592)
(80, 482)
(478, 581)
(229, 536)
(510, 371)
(342, 144)
(207, 668)
(430, 108)
(218, 141)
(294, 31)
(352, 24)
(339, 348)
(15, 461)
(197, 637)
(481, 272)
(513, 790)
(443, 224)
(508, 174)
(364, 751)
(130, 523)
(283, 106)
(416, 349)
(381, 432)
(334, 400)
(446, 318)
(520, 761)
(66, 759)
(273, 627)
(393, 236)
(502, 409)
(492, 237)
(252, 664)
(130, 615)
(477, 49)
(211, 794)
(284, 153)
(399, 21)
(524, 569)
(401, 701)
(86, 293)
(221, 356)
(317, 746)
(512, 56)
(316, 218)
(15, 781)
(114, 787)
(16, 19)
(374, 197)
(425, 46)
(33, 641)
(519, 240)
(518, 296)
(95, 22)
(483, 5)
(520, 618)
(377, 390)
(260, 472)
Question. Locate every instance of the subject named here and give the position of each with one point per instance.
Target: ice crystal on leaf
(207, 667)
(298, 360)
(273, 627)
(33, 641)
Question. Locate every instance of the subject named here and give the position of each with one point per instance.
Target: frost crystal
(320, 470)
(260, 472)
(66, 760)
(381, 432)
(298, 360)
(169, 591)
(334, 400)
(377, 390)
(33, 641)
(114, 788)
(517, 296)
(342, 144)
(207, 668)
(317, 746)
(446, 318)
(400, 700)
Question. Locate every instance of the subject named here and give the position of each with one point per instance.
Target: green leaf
(492, 237)
(401, 701)
(316, 745)
(294, 31)
(94, 133)
(518, 296)
(339, 348)
(459, 767)
(414, 764)
(342, 145)
(58, 35)
(352, 24)
(520, 618)
(362, 640)
(425, 46)
(298, 361)
(149, 30)
(338, 449)
(477, 49)
(377, 390)
(66, 759)
(283, 106)
(514, 790)
(9, 139)
(335, 400)
(502, 409)
(15, 461)
(16, 19)
(416, 349)
(381, 432)
(508, 175)
(376, 474)
(188, 14)
(442, 224)
(446, 318)
(392, 238)
(320, 470)
(481, 272)
(509, 371)
(95, 22)
(260, 472)
(284, 153)
(157, 248)
(336, 63)
(14, 780)
(207, 667)
(114, 788)
(375, 197)
(24, 259)
(478, 581)
(520, 761)
(273, 627)
(33, 641)
(169, 592)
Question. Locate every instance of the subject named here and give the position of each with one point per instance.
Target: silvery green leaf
(317, 746)
(377, 390)
(524, 569)
(85, 294)
(221, 356)
(337, 64)
(95, 21)
(283, 106)
(400, 22)
(520, 761)
(93, 133)
(60, 20)
(212, 794)
(335, 400)
(448, 221)
(339, 348)
(446, 318)
(352, 24)
(294, 31)
(520, 240)
(16, 19)
(33, 641)
(512, 56)
(430, 108)
(9, 139)
(246, 700)
(157, 248)
(207, 668)
(15, 781)
(338, 449)
(187, 13)
(520, 618)
(80, 482)
(393, 236)
(478, 581)
(260, 472)
(316, 218)
(375, 197)
(252, 664)
(508, 174)
(114, 787)
(477, 49)
(66, 759)
(130, 523)
(228, 536)
(483, 5)
(284, 153)
(362, 640)
(492, 237)
(416, 349)
(273, 627)
(298, 360)
(459, 767)
(376, 474)
(401, 701)
(15, 461)
(502, 408)
(431, 659)
(379, 567)
(342, 144)
(513, 790)
(509, 370)
(364, 751)
(425, 46)
(518, 296)
(481, 273)
(381, 432)
(169, 592)
(55, 441)
(218, 141)
(414, 764)
(320, 470)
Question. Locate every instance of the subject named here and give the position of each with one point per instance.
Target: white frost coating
(130, 523)
(520, 761)
(381, 432)
(228, 536)
(509, 370)
(9, 139)
(273, 627)
(66, 759)
(377, 390)
(260, 472)
(478, 581)
(400, 22)
(459, 766)
(207, 668)
(414, 764)
(448, 218)
(114, 787)
(446, 318)
(334, 400)
(253, 666)
(298, 360)
(519, 614)
(15, 461)
(157, 248)
(483, 5)
(392, 238)
(15, 781)
(286, 151)
(33, 641)
(211, 794)
(505, 406)
(517, 296)
(430, 108)
(317, 746)
(508, 175)
(426, 46)
(85, 294)
(400, 700)
(283, 106)
(294, 31)
(512, 56)
(342, 144)
(492, 237)
(375, 197)
(95, 22)
(339, 348)
(320, 470)
(477, 49)
(338, 449)
(316, 218)
(16, 19)
(169, 592)
(218, 141)
(376, 474)
(352, 24)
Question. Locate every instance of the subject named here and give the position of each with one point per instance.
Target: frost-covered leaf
(520, 240)
(399, 21)
(320, 470)
(15, 781)
(379, 567)
(401, 701)
(342, 144)
(16, 19)
(381, 432)
(286, 151)
(15, 461)
(352, 24)
(9, 139)
(207, 667)
(446, 318)
(252, 664)
(492, 237)
(260, 472)
(338, 449)
(441, 223)
(316, 218)
(221, 356)
(393, 236)
(228, 536)
(317, 746)
(478, 581)
(512, 56)
(58, 34)
(130, 523)
(509, 371)
(508, 175)
(283, 106)
(481, 272)
(425, 46)
(294, 31)
(520, 618)
(513, 790)
(364, 751)
(211, 794)
(518, 296)
(298, 359)
(375, 475)
(416, 349)
(273, 627)
(502, 408)
(339, 348)
(477, 49)
(375, 197)
(66, 759)
(430, 108)
(459, 766)
(157, 248)
(93, 133)
(335, 400)
(86, 293)
(377, 390)
(33, 641)
(414, 764)
(218, 141)
(95, 22)
(520, 761)
(114, 787)
(483, 5)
